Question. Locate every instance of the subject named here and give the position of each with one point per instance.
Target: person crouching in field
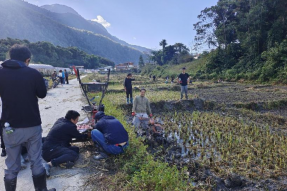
(141, 108)
(57, 148)
(129, 88)
(109, 135)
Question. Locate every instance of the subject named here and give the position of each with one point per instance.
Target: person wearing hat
(129, 88)
(183, 79)
(57, 148)
(109, 135)
(141, 108)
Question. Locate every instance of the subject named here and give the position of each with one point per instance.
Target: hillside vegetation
(47, 53)
(61, 29)
(249, 37)
(249, 40)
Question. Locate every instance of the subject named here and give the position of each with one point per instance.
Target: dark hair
(143, 89)
(19, 52)
(65, 69)
(60, 71)
(71, 114)
(129, 74)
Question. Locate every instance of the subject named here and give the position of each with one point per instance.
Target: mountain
(65, 17)
(21, 20)
(60, 9)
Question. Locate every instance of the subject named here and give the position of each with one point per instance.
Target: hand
(125, 89)
(89, 134)
(150, 115)
(133, 113)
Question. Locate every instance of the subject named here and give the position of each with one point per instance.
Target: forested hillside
(63, 29)
(249, 40)
(47, 53)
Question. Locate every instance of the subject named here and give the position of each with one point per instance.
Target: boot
(40, 182)
(127, 100)
(102, 155)
(10, 185)
(131, 100)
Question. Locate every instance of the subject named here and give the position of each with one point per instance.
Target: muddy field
(230, 136)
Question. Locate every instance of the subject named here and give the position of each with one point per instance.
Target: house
(125, 66)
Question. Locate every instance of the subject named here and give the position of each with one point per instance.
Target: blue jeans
(99, 138)
(184, 90)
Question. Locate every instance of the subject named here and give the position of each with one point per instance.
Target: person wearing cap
(129, 88)
(183, 79)
(141, 107)
(109, 136)
(57, 148)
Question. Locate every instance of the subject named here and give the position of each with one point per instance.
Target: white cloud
(134, 38)
(102, 21)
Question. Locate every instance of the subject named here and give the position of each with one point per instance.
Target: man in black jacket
(129, 88)
(20, 88)
(110, 135)
(57, 148)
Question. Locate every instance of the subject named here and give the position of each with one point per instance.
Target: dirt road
(54, 106)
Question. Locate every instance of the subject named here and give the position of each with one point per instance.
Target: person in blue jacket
(110, 135)
(63, 77)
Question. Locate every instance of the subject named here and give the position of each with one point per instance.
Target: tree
(163, 43)
(141, 62)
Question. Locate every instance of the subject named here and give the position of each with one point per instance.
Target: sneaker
(69, 164)
(47, 169)
(3, 154)
(101, 156)
(23, 165)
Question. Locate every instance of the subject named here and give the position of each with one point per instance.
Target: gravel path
(54, 106)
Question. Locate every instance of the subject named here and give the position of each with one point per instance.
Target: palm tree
(163, 44)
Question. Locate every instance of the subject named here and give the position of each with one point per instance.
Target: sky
(141, 22)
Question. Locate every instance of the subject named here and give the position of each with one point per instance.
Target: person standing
(3, 152)
(154, 78)
(54, 76)
(129, 88)
(63, 76)
(67, 76)
(60, 75)
(21, 116)
(183, 79)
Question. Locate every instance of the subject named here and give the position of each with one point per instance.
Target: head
(60, 71)
(65, 70)
(72, 116)
(129, 75)
(55, 71)
(183, 70)
(143, 91)
(20, 53)
(99, 115)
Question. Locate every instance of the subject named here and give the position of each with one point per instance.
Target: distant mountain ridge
(79, 22)
(57, 8)
(64, 29)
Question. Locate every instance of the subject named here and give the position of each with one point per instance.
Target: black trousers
(129, 93)
(67, 80)
(61, 155)
(1, 137)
